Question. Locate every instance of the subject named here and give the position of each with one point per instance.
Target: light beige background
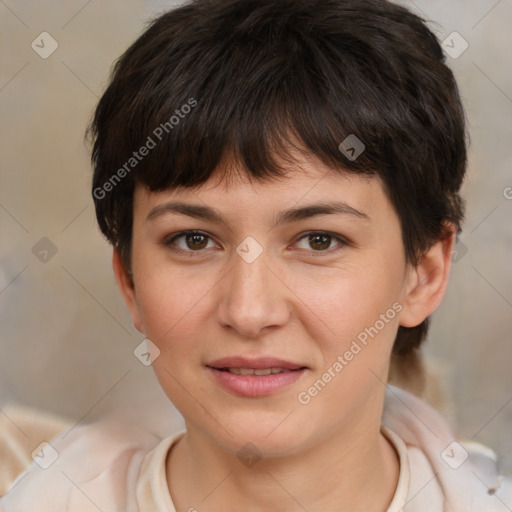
(66, 339)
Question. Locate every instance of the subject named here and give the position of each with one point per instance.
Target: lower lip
(256, 385)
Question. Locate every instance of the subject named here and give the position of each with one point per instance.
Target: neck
(343, 473)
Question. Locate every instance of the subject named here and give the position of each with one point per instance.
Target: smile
(249, 377)
(255, 371)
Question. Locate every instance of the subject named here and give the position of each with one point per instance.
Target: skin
(301, 300)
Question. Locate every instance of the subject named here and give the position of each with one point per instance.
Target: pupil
(321, 241)
(314, 238)
(195, 241)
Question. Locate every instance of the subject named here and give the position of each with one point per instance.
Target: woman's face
(275, 321)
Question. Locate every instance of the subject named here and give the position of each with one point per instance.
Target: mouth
(255, 377)
(255, 371)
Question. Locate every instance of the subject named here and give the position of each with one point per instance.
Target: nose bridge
(252, 297)
(251, 278)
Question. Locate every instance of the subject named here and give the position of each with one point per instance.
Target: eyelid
(342, 241)
(168, 241)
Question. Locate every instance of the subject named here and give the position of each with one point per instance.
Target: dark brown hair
(254, 78)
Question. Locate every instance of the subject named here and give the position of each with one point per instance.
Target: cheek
(348, 303)
(358, 319)
(176, 307)
(172, 307)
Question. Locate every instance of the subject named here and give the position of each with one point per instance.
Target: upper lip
(259, 363)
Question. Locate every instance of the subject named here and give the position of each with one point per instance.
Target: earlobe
(427, 281)
(125, 285)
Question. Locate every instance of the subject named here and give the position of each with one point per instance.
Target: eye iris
(322, 240)
(196, 241)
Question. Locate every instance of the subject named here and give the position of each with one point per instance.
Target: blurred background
(66, 341)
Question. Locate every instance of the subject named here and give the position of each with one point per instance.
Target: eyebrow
(286, 216)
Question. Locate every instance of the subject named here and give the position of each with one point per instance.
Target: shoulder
(22, 430)
(466, 473)
(88, 467)
(484, 462)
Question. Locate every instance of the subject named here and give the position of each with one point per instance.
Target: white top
(111, 467)
(153, 493)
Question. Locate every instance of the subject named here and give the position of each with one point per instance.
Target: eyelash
(169, 241)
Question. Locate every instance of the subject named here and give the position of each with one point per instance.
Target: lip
(257, 363)
(255, 385)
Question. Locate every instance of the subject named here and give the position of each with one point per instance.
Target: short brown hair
(249, 77)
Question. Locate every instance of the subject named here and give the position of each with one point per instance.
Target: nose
(253, 299)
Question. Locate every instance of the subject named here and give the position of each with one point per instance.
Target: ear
(427, 282)
(125, 284)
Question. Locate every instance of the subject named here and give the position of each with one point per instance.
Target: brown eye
(195, 241)
(319, 242)
(189, 241)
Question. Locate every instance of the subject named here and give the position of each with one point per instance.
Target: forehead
(307, 182)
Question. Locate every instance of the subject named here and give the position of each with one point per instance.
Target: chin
(267, 435)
